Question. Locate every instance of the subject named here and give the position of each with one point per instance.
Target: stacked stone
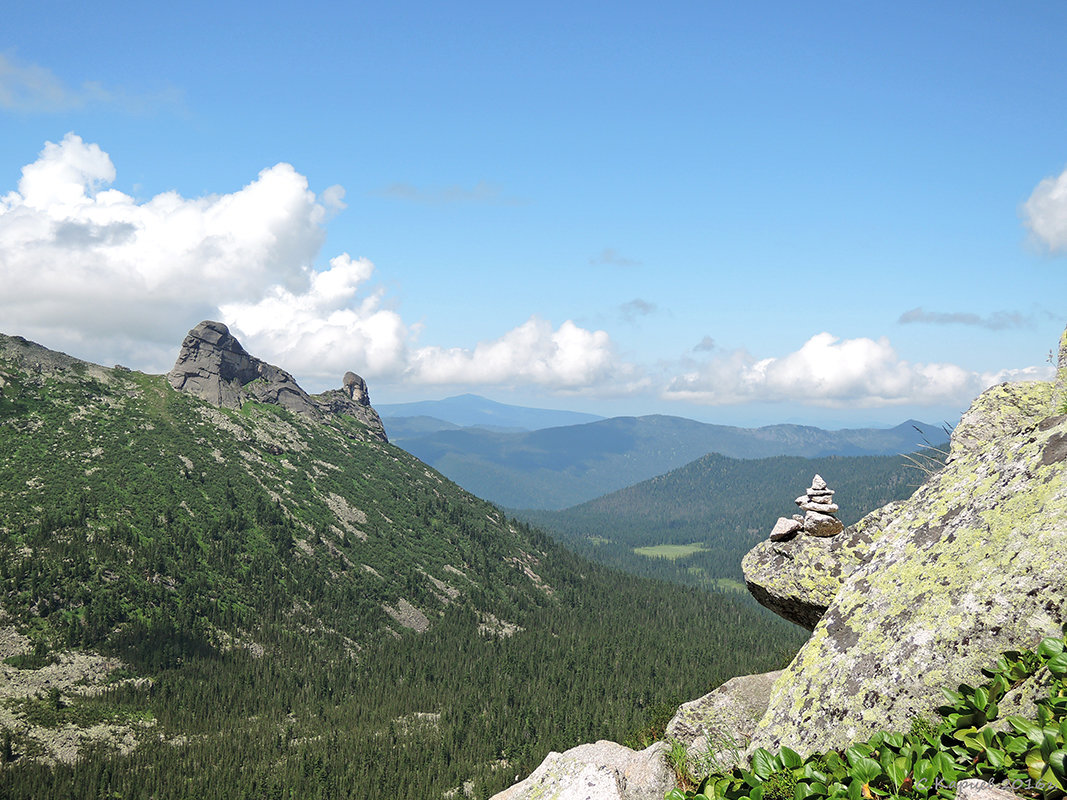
(819, 520)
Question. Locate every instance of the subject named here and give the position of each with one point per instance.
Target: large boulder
(798, 578)
(974, 563)
(601, 771)
(717, 727)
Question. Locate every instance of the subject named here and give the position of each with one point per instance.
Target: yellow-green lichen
(969, 566)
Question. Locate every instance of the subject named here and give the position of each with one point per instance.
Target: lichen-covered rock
(974, 563)
(601, 771)
(1003, 410)
(717, 727)
(799, 578)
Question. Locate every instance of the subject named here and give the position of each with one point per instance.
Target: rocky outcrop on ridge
(352, 399)
(213, 366)
(601, 771)
(925, 593)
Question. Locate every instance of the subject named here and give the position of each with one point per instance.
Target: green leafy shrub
(1029, 755)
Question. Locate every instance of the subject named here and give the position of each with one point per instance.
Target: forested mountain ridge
(555, 468)
(205, 601)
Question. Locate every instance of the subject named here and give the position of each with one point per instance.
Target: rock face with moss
(922, 594)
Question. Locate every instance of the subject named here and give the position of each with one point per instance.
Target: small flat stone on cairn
(786, 528)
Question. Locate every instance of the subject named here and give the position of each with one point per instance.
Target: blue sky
(838, 213)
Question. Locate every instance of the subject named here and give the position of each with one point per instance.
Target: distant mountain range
(471, 410)
(558, 467)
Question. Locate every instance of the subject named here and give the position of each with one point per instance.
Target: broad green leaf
(1057, 665)
(833, 762)
(996, 758)
(1050, 647)
(924, 771)
(1017, 745)
(981, 698)
(790, 758)
(857, 752)
(1027, 728)
(952, 697)
(1050, 743)
(865, 770)
(1058, 763)
(895, 740)
(811, 772)
(1035, 764)
(802, 791)
(897, 774)
(943, 765)
(675, 794)
(763, 763)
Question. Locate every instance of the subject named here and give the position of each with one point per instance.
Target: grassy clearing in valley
(671, 551)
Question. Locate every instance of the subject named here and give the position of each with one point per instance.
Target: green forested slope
(250, 574)
(723, 506)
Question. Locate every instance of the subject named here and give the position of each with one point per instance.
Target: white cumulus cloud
(88, 268)
(84, 264)
(568, 357)
(829, 371)
(1045, 212)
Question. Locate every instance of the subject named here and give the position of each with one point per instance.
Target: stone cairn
(819, 520)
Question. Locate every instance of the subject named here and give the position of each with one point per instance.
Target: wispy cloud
(612, 257)
(480, 193)
(1045, 213)
(636, 308)
(31, 88)
(997, 321)
(705, 345)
